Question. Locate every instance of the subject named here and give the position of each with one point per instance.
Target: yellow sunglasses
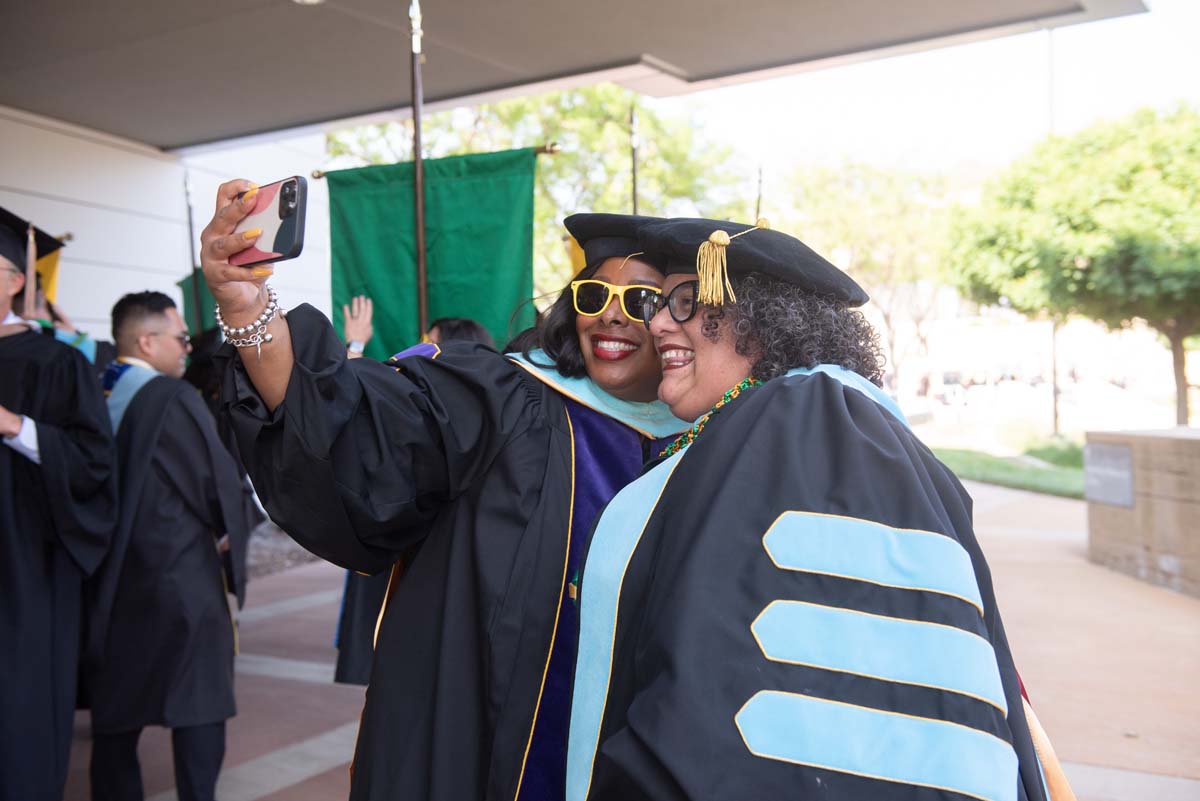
(592, 297)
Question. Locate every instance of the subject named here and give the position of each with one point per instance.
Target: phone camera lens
(287, 200)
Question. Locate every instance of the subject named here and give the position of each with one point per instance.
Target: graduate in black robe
(485, 472)
(57, 511)
(161, 639)
(792, 603)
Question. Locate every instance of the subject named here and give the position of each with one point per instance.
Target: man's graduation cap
(714, 248)
(610, 236)
(31, 250)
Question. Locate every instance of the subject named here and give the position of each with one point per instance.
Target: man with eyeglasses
(58, 506)
(160, 636)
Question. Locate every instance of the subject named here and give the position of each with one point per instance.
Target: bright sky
(962, 108)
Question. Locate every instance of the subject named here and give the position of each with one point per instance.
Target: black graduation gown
(466, 463)
(795, 607)
(56, 520)
(161, 640)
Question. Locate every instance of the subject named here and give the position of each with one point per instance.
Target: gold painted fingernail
(253, 233)
(250, 195)
(262, 272)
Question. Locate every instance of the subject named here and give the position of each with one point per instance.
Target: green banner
(207, 319)
(478, 236)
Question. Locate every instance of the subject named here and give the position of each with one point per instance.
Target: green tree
(1104, 223)
(886, 228)
(678, 172)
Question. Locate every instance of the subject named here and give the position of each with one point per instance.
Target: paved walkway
(1110, 663)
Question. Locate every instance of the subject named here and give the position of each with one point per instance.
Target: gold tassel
(712, 266)
(712, 269)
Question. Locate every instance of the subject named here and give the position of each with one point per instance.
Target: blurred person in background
(356, 325)
(58, 507)
(461, 329)
(160, 635)
(53, 321)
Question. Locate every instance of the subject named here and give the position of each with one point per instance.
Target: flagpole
(418, 100)
(633, 155)
(758, 200)
(197, 273)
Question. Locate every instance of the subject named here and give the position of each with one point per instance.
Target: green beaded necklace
(689, 436)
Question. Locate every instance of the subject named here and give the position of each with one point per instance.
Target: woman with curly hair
(791, 603)
(483, 471)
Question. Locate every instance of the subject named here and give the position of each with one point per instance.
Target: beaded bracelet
(255, 334)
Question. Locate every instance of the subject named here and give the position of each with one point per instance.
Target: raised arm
(241, 293)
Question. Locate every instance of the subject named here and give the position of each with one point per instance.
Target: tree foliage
(678, 172)
(1104, 223)
(886, 228)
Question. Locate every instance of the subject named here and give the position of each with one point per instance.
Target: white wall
(122, 201)
(301, 280)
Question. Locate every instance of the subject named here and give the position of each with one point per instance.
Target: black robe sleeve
(361, 456)
(77, 462)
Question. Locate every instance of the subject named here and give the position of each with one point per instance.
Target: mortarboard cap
(714, 248)
(609, 236)
(13, 237)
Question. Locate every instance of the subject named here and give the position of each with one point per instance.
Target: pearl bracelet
(253, 335)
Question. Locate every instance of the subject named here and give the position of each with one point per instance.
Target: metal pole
(197, 274)
(418, 100)
(1054, 368)
(1050, 90)
(1054, 323)
(633, 155)
(758, 201)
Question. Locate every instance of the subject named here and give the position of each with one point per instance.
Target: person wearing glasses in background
(483, 471)
(58, 506)
(160, 639)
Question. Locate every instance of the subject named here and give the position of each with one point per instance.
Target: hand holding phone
(279, 212)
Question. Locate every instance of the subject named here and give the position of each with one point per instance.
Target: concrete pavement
(1110, 664)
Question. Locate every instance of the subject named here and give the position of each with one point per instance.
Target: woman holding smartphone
(484, 471)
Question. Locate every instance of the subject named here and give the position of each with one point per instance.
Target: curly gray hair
(783, 327)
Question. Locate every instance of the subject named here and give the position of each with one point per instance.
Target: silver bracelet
(253, 335)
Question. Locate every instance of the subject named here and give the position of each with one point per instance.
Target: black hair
(555, 333)
(782, 326)
(202, 371)
(461, 329)
(135, 307)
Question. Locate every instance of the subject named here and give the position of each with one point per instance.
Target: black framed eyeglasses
(592, 296)
(184, 340)
(680, 303)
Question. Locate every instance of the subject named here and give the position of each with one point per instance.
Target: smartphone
(279, 212)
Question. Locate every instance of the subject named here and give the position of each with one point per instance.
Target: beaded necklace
(689, 436)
